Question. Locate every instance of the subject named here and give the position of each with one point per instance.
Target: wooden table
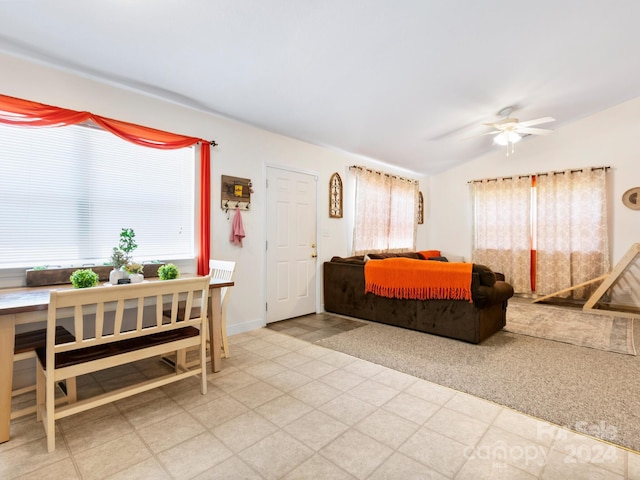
(24, 305)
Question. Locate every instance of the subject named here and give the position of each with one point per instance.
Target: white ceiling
(405, 82)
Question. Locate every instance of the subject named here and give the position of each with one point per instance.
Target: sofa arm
(500, 292)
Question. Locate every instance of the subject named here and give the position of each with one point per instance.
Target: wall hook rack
(235, 193)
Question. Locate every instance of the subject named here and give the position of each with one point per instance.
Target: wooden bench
(116, 325)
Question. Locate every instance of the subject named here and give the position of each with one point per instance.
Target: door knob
(314, 255)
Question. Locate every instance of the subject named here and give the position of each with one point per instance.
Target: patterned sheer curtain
(502, 228)
(572, 239)
(403, 219)
(385, 213)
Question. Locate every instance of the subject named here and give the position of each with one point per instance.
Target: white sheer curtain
(572, 239)
(502, 228)
(385, 213)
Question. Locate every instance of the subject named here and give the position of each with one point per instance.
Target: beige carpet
(570, 325)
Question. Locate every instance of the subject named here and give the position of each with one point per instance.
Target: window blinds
(65, 194)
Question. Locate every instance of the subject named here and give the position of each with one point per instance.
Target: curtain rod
(559, 172)
(358, 167)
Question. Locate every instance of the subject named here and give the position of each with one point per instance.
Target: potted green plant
(118, 259)
(168, 272)
(127, 241)
(121, 256)
(135, 272)
(84, 278)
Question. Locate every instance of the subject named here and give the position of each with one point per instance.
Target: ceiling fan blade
(537, 121)
(475, 136)
(497, 123)
(533, 131)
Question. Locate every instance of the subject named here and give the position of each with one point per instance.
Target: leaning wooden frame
(105, 337)
(609, 280)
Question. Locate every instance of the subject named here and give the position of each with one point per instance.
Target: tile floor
(285, 408)
(315, 327)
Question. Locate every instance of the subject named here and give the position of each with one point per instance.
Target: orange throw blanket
(418, 279)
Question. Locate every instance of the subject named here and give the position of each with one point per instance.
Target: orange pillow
(430, 253)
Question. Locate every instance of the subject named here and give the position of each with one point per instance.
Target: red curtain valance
(24, 113)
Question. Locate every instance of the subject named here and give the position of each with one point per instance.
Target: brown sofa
(344, 293)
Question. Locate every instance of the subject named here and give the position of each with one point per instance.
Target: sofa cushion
(486, 275)
(382, 256)
(429, 253)
(357, 260)
(438, 259)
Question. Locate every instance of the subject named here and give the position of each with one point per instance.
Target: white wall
(243, 151)
(608, 138)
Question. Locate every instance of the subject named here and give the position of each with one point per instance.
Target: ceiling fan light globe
(505, 138)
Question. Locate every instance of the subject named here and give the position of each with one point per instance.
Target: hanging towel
(237, 230)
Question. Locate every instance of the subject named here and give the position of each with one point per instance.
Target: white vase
(114, 276)
(136, 277)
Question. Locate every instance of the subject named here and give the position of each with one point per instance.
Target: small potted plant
(127, 241)
(135, 272)
(84, 278)
(118, 259)
(121, 256)
(168, 272)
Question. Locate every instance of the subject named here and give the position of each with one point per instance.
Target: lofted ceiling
(405, 82)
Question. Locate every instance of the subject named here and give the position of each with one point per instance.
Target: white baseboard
(237, 328)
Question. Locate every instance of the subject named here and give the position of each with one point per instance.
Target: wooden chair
(223, 270)
(104, 339)
(25, 349)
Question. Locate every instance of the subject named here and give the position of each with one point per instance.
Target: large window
(546, 232)
(65, 194)
(385, 214)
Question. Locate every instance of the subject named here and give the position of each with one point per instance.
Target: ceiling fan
(509, 131)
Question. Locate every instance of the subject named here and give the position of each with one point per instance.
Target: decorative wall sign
(335, 196)
(631, 198)
(420, 208)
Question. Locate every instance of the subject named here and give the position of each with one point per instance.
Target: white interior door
(291, 244)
